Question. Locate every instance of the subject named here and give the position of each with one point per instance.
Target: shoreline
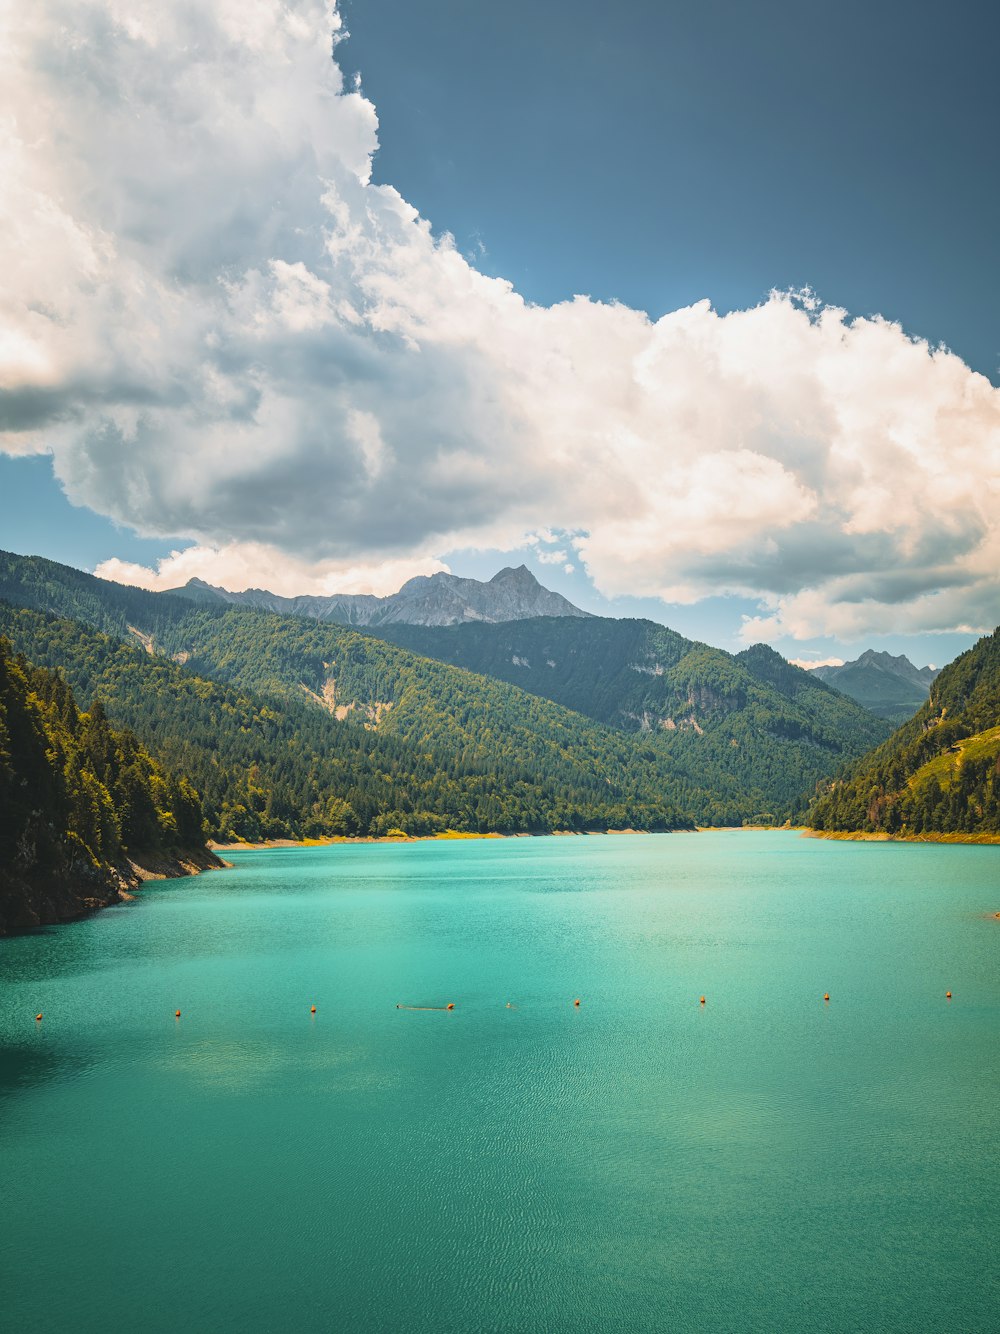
(844, 836)
(449, 836)
(53, 900)
(847, 836)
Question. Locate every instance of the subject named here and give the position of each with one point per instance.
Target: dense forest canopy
(721, 739)
(464, 753)
(76, 794)
(940, 772)
(753, 730)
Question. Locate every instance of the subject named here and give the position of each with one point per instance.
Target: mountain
(889, 686)
(752, 718)
(940, 772)
(673, 729)
(437, 599)
(307, 729)
(81, 804)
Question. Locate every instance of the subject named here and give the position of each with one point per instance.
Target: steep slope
(395, 742)
(940, 772)
(889, 686)
(78, 799)
(752, 719)
(45, 585)
(437, 599)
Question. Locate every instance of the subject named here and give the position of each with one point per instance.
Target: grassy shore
(448, 834)
(902, 838)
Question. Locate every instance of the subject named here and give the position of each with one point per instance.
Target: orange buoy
(577, 1001)
(312, 1010)
(702, 1001)
(177, 1014)
(947, 995)
(826, 995)
(37, 1018)
(450, 1005)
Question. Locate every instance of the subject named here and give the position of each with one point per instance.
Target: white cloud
(808, 666)
(222, 330)
(252, 565)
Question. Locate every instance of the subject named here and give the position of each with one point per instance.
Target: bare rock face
(436, 599)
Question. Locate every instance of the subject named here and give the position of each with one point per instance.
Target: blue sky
(659, 153)
(655, 155)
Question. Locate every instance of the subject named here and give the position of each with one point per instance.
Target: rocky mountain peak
(519, 574)
(513, 594)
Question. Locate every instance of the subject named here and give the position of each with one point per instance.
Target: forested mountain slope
(731, 739)
(77, 798)
(45, 585)
(940, 772)
(736, 747)
(416, 746)
(754, 717)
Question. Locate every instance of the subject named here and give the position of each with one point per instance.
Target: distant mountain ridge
(436, 599)
(889, 686)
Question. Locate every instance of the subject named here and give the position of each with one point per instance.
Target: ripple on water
(765, 1162)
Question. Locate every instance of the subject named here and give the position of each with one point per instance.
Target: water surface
(767, 1161)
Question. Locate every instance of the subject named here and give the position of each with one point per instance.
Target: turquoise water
(765, 1162)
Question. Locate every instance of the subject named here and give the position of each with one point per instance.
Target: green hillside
(418, 746)
(721, 739)
(77, 797)
(940, 772)
(751, 719)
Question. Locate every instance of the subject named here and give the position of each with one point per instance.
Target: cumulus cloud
(809, 665)
(238, 566)
(222, 330)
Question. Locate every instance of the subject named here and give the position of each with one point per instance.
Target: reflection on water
(765, 1162)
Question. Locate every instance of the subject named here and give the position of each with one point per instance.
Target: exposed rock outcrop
(27, 903)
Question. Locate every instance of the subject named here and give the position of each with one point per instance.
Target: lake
(767, 1161)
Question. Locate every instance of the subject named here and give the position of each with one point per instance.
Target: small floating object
(826, 995)
(702, 1001)
(312, 1009)
(177, 1014)
(38, 1018)
(947, 995)
(450, 1005)
(577, 1001)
